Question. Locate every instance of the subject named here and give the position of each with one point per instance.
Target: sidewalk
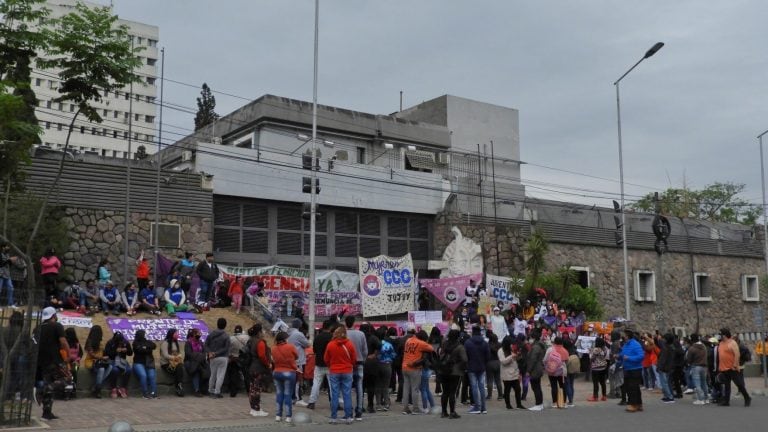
(173, 413)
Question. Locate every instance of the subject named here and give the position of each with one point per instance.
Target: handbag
(574, 364)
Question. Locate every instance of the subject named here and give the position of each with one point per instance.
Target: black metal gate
(18, 362)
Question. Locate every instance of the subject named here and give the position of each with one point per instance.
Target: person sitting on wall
(175, 300)
(110, 299)
(148, 300)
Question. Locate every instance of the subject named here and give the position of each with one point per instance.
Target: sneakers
(592, 399)
(407, 411)
(311, 405)
(454, 416)
(113, 393)
(474, 410)
(668, 401)
(484, 412)
(699, 402)
(259, 413)
(688, 391)
(278, 418)
(332, 421)
(348, 421)
(603, 399)
(288, 420)
(536, 408)
(569, 405)
(359, 417)
(301, 403)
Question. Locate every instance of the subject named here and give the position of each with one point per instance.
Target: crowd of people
(514, 350)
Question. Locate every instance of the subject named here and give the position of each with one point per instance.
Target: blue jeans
(649, 378)
(699, 379)
(8, 285)
(357, 383)
(341, 383)
(664, 381)
(147, 378)
(569, 387)
(477, 386)
(202, 291)
(284, 383)
(426, 395)
(106, 308)
(100, 374)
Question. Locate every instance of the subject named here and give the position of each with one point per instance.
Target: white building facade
(121, 111)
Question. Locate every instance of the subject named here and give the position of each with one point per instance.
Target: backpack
(553, 363)
(745, 355)
(443, 362)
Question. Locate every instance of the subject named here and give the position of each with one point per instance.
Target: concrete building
(109, 138)
(382, 178)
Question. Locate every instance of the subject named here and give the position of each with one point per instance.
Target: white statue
(462, 257)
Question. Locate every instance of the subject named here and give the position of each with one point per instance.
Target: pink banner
(450, 291)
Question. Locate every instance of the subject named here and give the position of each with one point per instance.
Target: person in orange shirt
(413, 353)
(728, 367)
(650, 374)
(236, 293)
(142, 271)
(284, 356)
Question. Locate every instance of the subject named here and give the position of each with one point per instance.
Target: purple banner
(285, 303)
(450, 291)
(156, 328)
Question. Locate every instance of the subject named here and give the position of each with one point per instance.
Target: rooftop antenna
(401, 100)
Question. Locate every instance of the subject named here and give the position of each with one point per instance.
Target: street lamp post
(654, 49)
(764, 366)
(313, 192)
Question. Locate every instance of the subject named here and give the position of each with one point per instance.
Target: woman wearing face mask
(175, 299)
(171, 360)
(144, 364)
(195, 359)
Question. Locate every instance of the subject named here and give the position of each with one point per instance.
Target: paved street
(204, 414)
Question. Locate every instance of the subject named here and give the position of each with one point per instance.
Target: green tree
(536, 250)
(20, 40)
(718, 202)
(93, 56)
(206, 106)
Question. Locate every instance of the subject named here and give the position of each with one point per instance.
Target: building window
(702, 287)
(47, 125)
(139, 40)
(150, 81)
(48, 104)
(114, 153)
(115, 114)
(114, 134)
(38, 81)
(149, 119)
(71, 108)
(59, 126)
(582, 275)
(361, 155)
(105, 113)
(82, 129)
(61, 106)
(127, 95)
(151, 99)
(152, 42)
(93, 131)
(136, 117)
(645, 286)
(750, 288)
(151, 61)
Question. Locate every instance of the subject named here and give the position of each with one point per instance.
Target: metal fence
(18, 361)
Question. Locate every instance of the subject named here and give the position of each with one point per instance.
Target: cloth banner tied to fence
(387, 284)
(450, 291)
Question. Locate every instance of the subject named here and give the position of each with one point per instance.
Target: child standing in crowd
(236, 293)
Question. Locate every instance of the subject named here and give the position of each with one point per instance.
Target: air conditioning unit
(342, 155)
(186, 155)
(216, 140)
(206, 182)
(443, 158)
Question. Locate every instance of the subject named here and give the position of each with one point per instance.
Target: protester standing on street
(361, 349)
(321, 367)
(298, 340)
(235, 375)
(535, 368)
(478, 354)
(413, 351)
(259, 370)
(284, 356)
(51, 343)
(632, 354)
(696, 357)
(217, 345)
(728, 366)
(340, 357)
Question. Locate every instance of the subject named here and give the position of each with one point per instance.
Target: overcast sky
(690, 113)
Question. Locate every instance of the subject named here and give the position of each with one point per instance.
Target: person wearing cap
(175, 300)
(217, 344)
(728, 367)
(298, 340)
(632, 355)
(110, 299)
(498, 324)
(51, 343)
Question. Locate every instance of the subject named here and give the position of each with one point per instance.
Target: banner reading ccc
(387, 284)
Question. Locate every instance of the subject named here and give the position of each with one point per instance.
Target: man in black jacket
(321, 369)
(208, 272)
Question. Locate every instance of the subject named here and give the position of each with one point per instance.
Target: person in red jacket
(340, 356)
(235, 292)
(49, 270)
(142, 271)
(284, 357)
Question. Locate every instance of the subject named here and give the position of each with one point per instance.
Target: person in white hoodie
(499, 324)
(510, 372)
